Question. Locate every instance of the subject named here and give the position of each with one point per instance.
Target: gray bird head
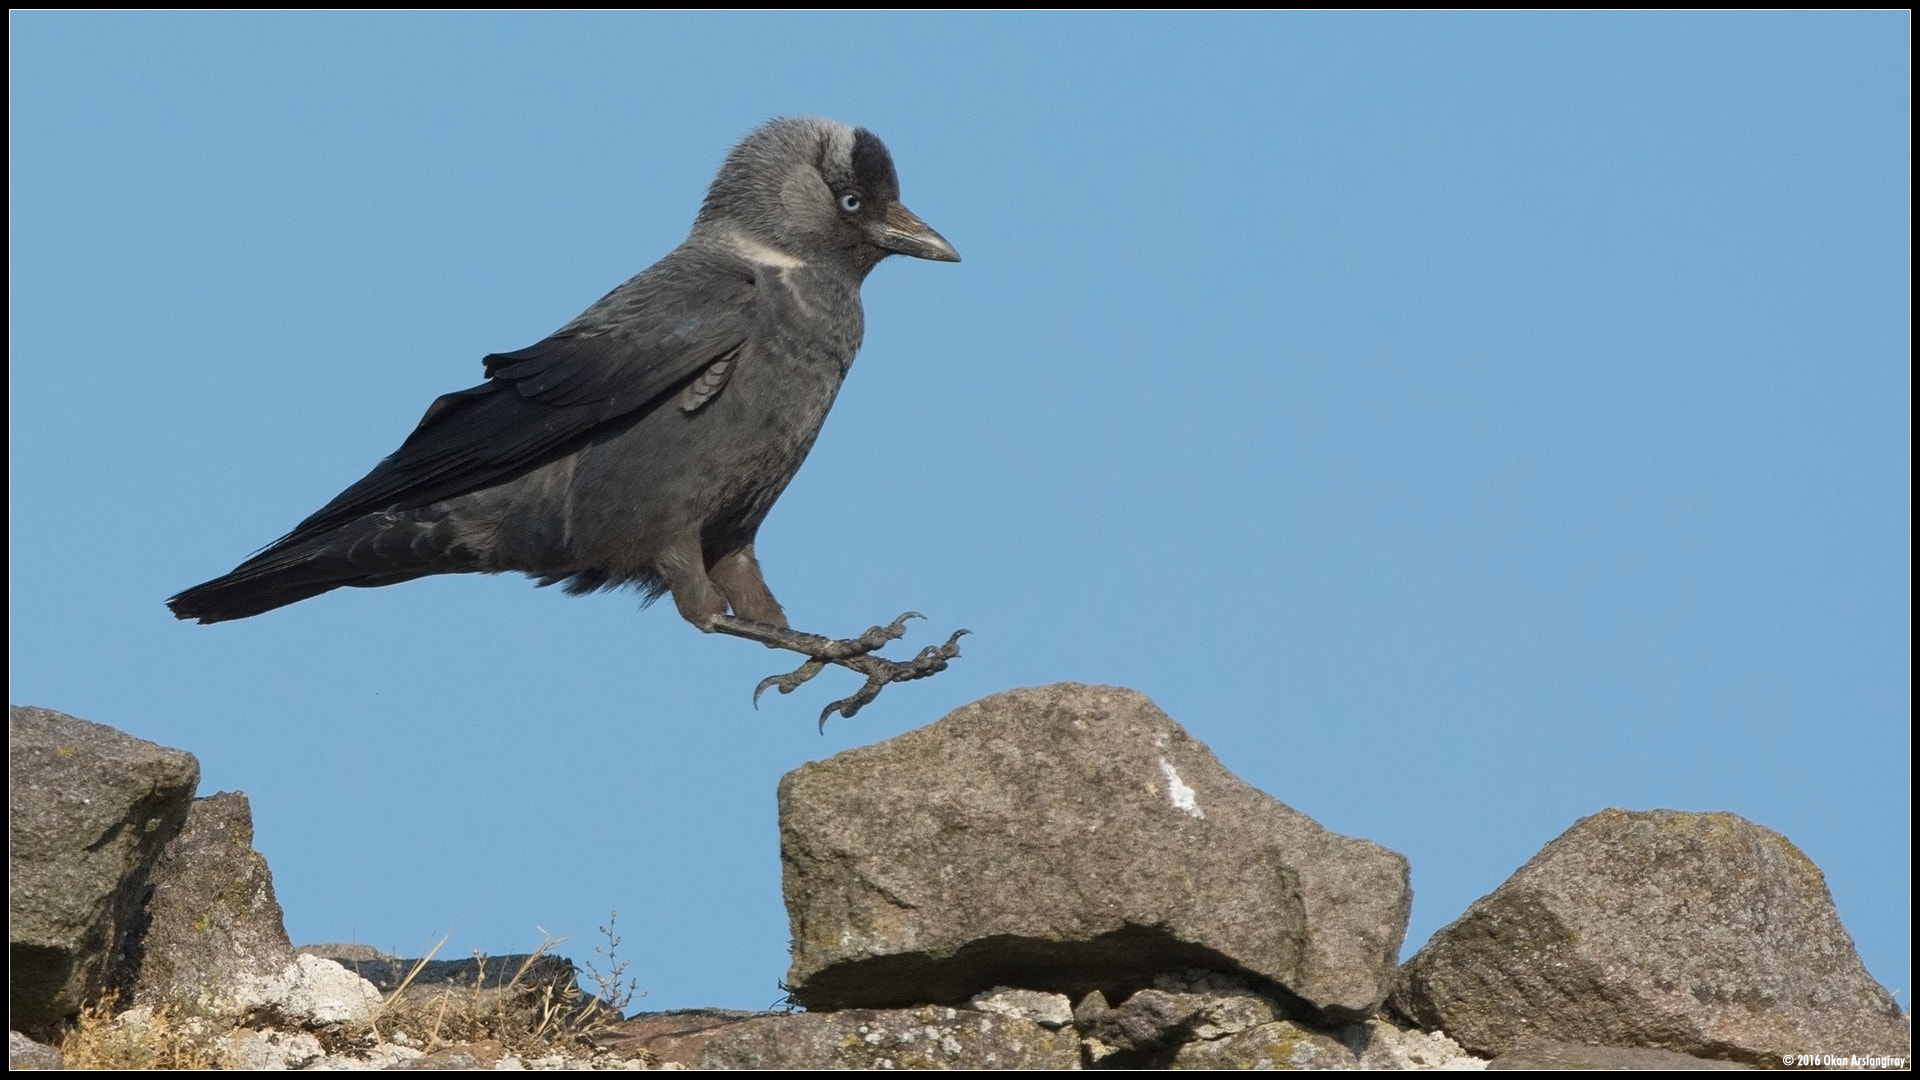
(815, 189)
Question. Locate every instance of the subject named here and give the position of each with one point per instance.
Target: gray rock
(1384, 1046)
(1205, 1020)
(1070, 838)
(309, 990)
(248, 1050)
(1225, 1004)
(1147, 1029)
(1148, 1023)
(1531, 1054)
(25, 1055)
(1047, 1010)
(1279, 1045)
(1703, 934)
(1256, 1041)
(485, 1054)
(90, 809)
(674, 1038)
(1091, 1009)
(927, 1038)
(346, 953)
(212, 919)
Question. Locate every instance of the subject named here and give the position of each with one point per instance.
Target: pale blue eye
(850, 202)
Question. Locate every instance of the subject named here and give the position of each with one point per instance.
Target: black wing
(620, 358)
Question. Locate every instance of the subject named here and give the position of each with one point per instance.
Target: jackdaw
(643, 443)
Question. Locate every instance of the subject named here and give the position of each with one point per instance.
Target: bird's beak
(903, 232)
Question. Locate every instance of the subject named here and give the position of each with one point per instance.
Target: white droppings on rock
(1179, 794)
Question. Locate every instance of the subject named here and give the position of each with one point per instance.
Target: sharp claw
(845, 707)
(762, 688)
(861, 698)
(858, 654)
(791, 681)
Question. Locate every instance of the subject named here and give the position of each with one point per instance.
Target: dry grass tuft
(531, 1011)
(164, 1038)
(536, 1010)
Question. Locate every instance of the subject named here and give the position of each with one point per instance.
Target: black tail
(380, 549)
(238, 596)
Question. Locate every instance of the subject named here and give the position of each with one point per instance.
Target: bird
(642, 444)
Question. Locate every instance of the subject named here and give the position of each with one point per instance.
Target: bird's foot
(855, 654)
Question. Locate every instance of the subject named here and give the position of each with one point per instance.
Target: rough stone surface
(1047, 1010)
(1145, 1024)
(1070, 838)
(1380, 1045)
(310, 990)
(675, 1039)
(25, 1055)
(1148, 1028)
(90, 809)
(1531, 1053)
(346, 953)
(1282, 1044)
(934, 1037)
(485, 1054)
(384, 1056)
(211, 919)
(269, 1051)
(1204, 1020)
(1703, 934)
(1224, 1004)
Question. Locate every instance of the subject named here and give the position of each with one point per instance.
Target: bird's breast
(717, 469)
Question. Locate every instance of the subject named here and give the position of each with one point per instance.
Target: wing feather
(617, 361)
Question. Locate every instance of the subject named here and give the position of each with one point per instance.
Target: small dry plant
(534, 1010)
(617, 990)
(164, 1038)
(527, 1011)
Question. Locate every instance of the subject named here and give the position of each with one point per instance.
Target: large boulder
(212, 922)
(1070, 839)
(90, 810)
(1703, 934)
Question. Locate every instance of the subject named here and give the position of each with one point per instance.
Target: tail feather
(238, 596)
(382, 549)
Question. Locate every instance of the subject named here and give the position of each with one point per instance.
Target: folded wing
(620, 359)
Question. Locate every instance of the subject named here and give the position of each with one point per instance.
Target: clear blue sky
(1460, 423)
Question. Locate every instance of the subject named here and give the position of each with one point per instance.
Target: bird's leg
(855, 654)
(737, 575)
